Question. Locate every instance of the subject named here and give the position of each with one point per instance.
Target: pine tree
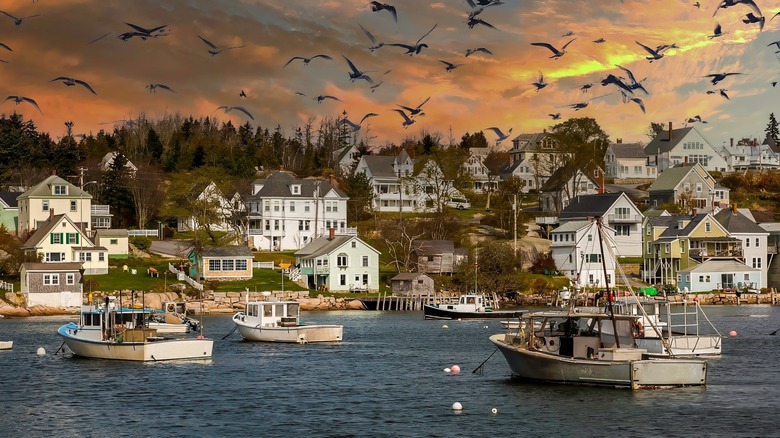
(154, 145)
(772, 129)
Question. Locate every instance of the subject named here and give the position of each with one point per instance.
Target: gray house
(690, 185)
(52, 284)
(412, 284)
(438, 256)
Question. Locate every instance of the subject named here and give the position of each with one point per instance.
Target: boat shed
(412, 284)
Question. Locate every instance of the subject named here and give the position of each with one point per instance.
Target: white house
(57, 195)
(718, 274)
(482, 181)
(568, 182)
(286, 213)
(210, 195)
(59, 240)
(344, 159)
(338, 263)
(627, 161)
(116, 242)
(108, 161)
(750, 154)
(533, 158)
(754, 241)
(387, 175)
(577, 253)
(683, 146)
(52, 284)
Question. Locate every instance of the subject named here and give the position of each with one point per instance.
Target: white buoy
(494, 411)
(41, 351)
(457, 406)
(447, 370)
(486, 327)
(455, 369)
(445, 326)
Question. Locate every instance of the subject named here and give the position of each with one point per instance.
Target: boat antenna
(476, 268)
(606, 282)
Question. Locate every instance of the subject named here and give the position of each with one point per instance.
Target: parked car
(459, 203)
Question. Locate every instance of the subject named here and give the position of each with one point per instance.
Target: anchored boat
(279, 321)
(469, 306)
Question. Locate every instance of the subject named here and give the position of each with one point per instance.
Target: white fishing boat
(173, 319)
(6, 345)
(109, 331)
(469, 306)
(279, 321)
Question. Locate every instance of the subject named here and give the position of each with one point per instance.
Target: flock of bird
(622, 80)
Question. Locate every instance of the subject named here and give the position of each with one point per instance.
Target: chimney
(332, 234)
(619, 141)
(670, 131)
(51, 213)
(54, 172)
(281, 167)
(732, 142)
(332, 180)
(695, 212)
(755, 142)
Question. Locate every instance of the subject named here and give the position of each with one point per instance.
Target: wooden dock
(385, 301)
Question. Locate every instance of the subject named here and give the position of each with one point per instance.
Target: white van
(459, 203)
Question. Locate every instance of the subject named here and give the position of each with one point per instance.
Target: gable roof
(667, 221)
(324, 245)
(43, 189)
(661, 142)
(670, 178)
(627, 150)
(572, 226)
(590, 205)
(114, 232)
(405, 276)
(380, 166)
(564, 174)
(52, 267)
(530, 141)
(48, 226)
(279, 185)
(433, 247)
(9, 199)
(737, 223)
(720, 266)
(226, 251)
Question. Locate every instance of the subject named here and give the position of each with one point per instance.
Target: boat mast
(476, 267)
(606, 282)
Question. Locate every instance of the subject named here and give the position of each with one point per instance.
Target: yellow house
(53, 194)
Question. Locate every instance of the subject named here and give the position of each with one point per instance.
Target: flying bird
(540, 83)
(375, 86)
(477, 9)
(239, 108)
(698, 5)
(634, 85)
(355, 73)
(356, 126)
(728, 3)
(500, 135)
(776, 43)
(751, 19)
(600, 40)
(214, 50)
(71, 82)
(377, 7)
(470, 52)
(6, 47)
(694, 119)
(664, 47)
(773, 84)
(18, 20)
(581, 105)
(298, 93)
(612, 79)
(471, 22)
(721, 91)
(556, 116)
(376, 44)
(153, 88)
(717, 32)
(586, 87)
(159, 30)
(20, 99)
(773, 16)
(654, 54)
(638, 101)
(242, 94)
(556, 53)
(717, 77)
(322, 97)
(417, 46)
(306, 61)
(407, 121)
(416, 110)
(449, 66)
(567, 34)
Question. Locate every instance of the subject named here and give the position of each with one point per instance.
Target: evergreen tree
(772, 129)
(172, 159)
(199, 157)
(114, 191)
(154, 145)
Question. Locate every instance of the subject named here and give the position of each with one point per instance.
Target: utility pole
(400, 198)
(81, 177)
(514, 211)
(316, 207)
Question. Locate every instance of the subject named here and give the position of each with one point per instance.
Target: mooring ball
(733, 333)
(494, 411)
(447, 370)
(445, 326)
(41, 351)
(457, 406)
(455, 369)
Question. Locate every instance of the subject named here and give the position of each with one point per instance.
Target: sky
(484, 91)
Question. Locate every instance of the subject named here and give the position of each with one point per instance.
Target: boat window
(279, 310)
(292, 310)
(251, 310)
(268, 309)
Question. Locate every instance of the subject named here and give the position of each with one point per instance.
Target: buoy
(486, 326)
(455, 369)
(445, 326)
(447, 370)
(457, 406)
(200, 337)
(733, 333)
(494, 411)
(41, 351)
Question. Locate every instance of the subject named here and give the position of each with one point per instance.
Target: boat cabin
(469, 303)
(273, 313)
(108, 321)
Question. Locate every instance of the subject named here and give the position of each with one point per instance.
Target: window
(649, 229)
(114, 241)
(343, 280)
(215, 265)
(590, 238)
(757, 262)
(747, 277)
(72, 238)
(698, 187)
(354, 244)
(51, 279)
(365, 261)
(666, 248)
(292, 206)
(72, 205)
(300, 225)
(707, 227)
(701, 278)
(228, 265)
(276, 205)
(60, 190)
(649, 247)
(70, 279)
(241, 265)
(430, 258)
(276, 224)
(342, 260)
(306, 207)
(55, 257)
(296, 189)
(623, 230)
(757, 244)
(570, 258)
(56, 238)
(307, 225)
(267, 205)
(267, 225)
(85, 256)
(45, 205)
(101, 256)
(747, 243)
(594, 258)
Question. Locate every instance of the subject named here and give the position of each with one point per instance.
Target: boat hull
(6, 345)
(635, 374)
(160, 350)
(434, 312)
(300, 334)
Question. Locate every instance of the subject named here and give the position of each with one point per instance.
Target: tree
(114, 189)
(400, 237)
(772, 130)
(654, 130)
(154, 145)
(186, 199)
(581, 139)
(199, 157)
(476, 140)
(361, 196)
(12, 253)
(436, 176)
(146, 192)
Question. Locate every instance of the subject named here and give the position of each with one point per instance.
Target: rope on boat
(235, 327)
(481, 368)
(58, 350)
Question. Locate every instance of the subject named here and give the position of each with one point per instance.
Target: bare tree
(399, 239)
(146, 193)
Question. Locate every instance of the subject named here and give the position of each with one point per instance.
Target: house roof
(433, 247)
(670, 178)
(69, 266)
(654, 212)
(226, 251)
(590, 205)
(91, 248)
(46, 227)
(692, 224)
(43, 189)
(9, 199)
(628, 150)
(530, 141)
(667, 221)
(661, 142)
(572, 226)
(720, 266)
(737, 223)
(324, 245)
(119, 232)
(278, 185)
(380, 166)
(408, 276)
(565, 173)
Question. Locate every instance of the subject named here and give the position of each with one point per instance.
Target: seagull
(214, 50)
(600, 40)
(694, 119)
(306, 61)
(71, 81)
(356, 126)
(612, 79)
(355, 73)
(471, 22)
(416, 110)
(717, 77)
(449, 66)
(476, 10)
(556, 53)
(721, 91)
(773, 16)
(717, 32)
(776, 43)
(20, 99)
(153, 88)
(18, 20)
(567, 34)
(150, 32)
(698, 5)
(376, 44)
(417, 47)
(376, 7)
(489, 2)
(240, 108)
(501, 135)
(6, 47)
(470, 52)
(540, 83)
(581, 105)
(407, 121)
(298, 93)
(375, 86)
(750, 19)
(636, 100)
(556, 116)
(634, 85)
(728, 3)
(586, 87)
(322, 97)
(654, 54)
(773, 84)
(242, 94)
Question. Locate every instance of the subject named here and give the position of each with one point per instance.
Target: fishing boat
(279, 321)
(110, 331)
(173, 319)
(469, 306)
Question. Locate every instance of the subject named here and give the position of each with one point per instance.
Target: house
(749, 154)
(617, 213)
(626, 161)
(577, 253)
(568, 182)
(683, 146)
(52, 284)
(115, 241)
(210, 197)
(344, 159)
(219, 263)
(101, 216)
(57, 195)
(9, 211)
(719, 275)
(108, 161)
(482, 180)
(60, 240)
(286, 212)
(690, 186)
(338, 263)
(412, 284)
(438, 256)
(754, 241)
(533, 158)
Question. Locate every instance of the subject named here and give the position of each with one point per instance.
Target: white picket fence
(262, 265)
(7, 286)
(142, 233)
(181, 275)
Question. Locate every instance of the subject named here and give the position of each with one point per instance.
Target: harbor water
(385, 379)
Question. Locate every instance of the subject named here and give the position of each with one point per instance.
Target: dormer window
(296, 189)
(60, 190)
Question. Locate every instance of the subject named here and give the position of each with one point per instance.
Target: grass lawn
(262, 280)
(275, 256)
(118, 279)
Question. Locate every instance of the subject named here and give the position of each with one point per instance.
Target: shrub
(141, 242)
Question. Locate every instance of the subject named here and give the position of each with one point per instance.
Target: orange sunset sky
(484, 91)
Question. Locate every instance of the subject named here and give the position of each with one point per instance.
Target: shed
(412, 284)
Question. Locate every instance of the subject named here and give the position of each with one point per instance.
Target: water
(385, 379)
